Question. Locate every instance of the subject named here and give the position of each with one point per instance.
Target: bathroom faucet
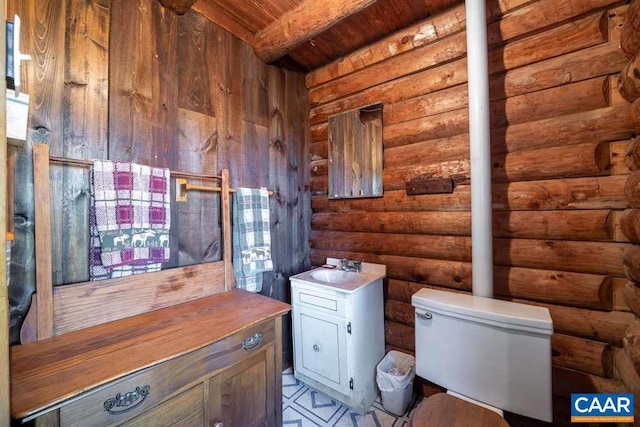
(351, 265)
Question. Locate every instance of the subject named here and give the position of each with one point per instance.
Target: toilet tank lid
(507, 314)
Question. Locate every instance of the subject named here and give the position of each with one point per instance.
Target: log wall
(561, 134)
(130, 81)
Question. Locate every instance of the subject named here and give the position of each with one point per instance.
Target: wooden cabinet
(234, 380)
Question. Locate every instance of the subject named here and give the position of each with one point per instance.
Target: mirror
(355, 153)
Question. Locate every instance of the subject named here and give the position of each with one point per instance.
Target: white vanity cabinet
(338, 332)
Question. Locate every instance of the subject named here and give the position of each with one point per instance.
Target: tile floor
(303, 406)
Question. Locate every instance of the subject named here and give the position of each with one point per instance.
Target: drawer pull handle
(252, 342)
(127, 401)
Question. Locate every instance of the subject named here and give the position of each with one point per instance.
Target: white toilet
(493, 353)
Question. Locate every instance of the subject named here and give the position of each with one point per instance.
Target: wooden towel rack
(182, 187)
(56, 310)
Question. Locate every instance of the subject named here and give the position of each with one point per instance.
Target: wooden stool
(443, 410)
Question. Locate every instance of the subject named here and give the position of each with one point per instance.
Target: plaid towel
(130, 219)
(251, 238)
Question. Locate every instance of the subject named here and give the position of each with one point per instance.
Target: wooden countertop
(48, 372)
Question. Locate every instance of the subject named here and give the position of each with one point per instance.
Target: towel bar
(182, 187)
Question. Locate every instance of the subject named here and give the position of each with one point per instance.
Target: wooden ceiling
(306, 34)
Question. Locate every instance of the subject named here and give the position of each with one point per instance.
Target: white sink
(335, 276)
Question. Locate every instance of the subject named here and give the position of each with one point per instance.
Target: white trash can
(395, 374)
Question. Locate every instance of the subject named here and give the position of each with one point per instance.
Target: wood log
(603, 326)
(538, 69)
(444, 50)
(557, 101)
(457, 147)
(401, 291)
(629, 80)
(450, 274)
(576, 193)
(582, 290)
(582, 257)
(432, 151)
(436, 223)
(562, 255)
(632, 189)
(618, 149)
(557, 287)
(605, 124)
(451, 248)
(631, 344)
(625, 370)
(179, 7)
(399, 335)
(588, 356)
(630, 36)
(591, 159)
(305, 21)
(448, 48)
(548, 162)
(634, 114)
(566, 381)
(632, 155)
(594, 225)
(319, 132)
(433, 103)
(630, 224)
(416, 35)
(619, 303)
(575, 289)
(631, 262)
(318, 150)
(399, 312)
(632, 297)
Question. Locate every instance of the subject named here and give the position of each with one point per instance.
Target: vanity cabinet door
(321, 348)
(184, 410)
(244, 394)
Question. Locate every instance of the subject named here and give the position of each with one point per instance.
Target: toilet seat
(444, 410)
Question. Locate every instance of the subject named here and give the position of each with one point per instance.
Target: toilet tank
(492, 351)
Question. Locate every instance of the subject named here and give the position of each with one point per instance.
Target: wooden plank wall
(559, 134)
(131, 81)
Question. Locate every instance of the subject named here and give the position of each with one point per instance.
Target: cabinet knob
(316, 348)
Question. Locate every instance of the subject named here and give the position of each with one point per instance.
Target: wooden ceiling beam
(179, 7)
(306, 21)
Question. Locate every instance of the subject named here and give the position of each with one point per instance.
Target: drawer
(333, 304)
(186, 409)
(133, 395)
